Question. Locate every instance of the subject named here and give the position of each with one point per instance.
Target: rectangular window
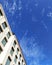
(20, 56)
(1, 13)
(0, 50)
(8, 61)
(8, 35)
(17, 50)
(1, 29)
(22, 60)
(4, 25)
(15, 60)
(18, 63)
(4, 41)
(14, 44)
(12, 50)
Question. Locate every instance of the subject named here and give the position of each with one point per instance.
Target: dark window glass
(22, 60)
(14, 43)
(4, 41)
(0, 50)
(1, 13)
(20, 55)
(12, 50)
(1, 29)
(17, 49)
(4, 25)
(15, 60)
(8, 61)
(8, 35)
(18, 63)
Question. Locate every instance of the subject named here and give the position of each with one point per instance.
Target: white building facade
(10, 51)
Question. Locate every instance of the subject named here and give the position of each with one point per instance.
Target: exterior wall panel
(16, 56)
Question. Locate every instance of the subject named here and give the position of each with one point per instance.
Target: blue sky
(31, 21)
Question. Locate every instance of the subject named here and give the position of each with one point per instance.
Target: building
(10, 51)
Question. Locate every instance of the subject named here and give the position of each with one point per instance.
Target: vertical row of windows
(16, 57)
(4, 41)
(15, 60)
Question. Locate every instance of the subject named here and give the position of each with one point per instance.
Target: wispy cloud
(49, 15)
(31, 49)
(10, 7)
(45, 26)
(13, 24)
(19, 5)
(43, 11)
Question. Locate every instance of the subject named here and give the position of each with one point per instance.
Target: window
(22, 61)
(8, 35)
(15, 60)
(4, 25)
(19, 56)
(17, 50)
(1, 13)
(8, 61)
(14, 43)
(12, 50)
(16, 56)
(0, 50)
(18, 63)
(1, 29)
(4, 41)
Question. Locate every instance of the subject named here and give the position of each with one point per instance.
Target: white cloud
(31, 49)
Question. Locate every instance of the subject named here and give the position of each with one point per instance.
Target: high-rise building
(10, 51)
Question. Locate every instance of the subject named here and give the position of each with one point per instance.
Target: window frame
(4, 25)
(4, 40)
(12, 51)
(8, 35)
(8, 61)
